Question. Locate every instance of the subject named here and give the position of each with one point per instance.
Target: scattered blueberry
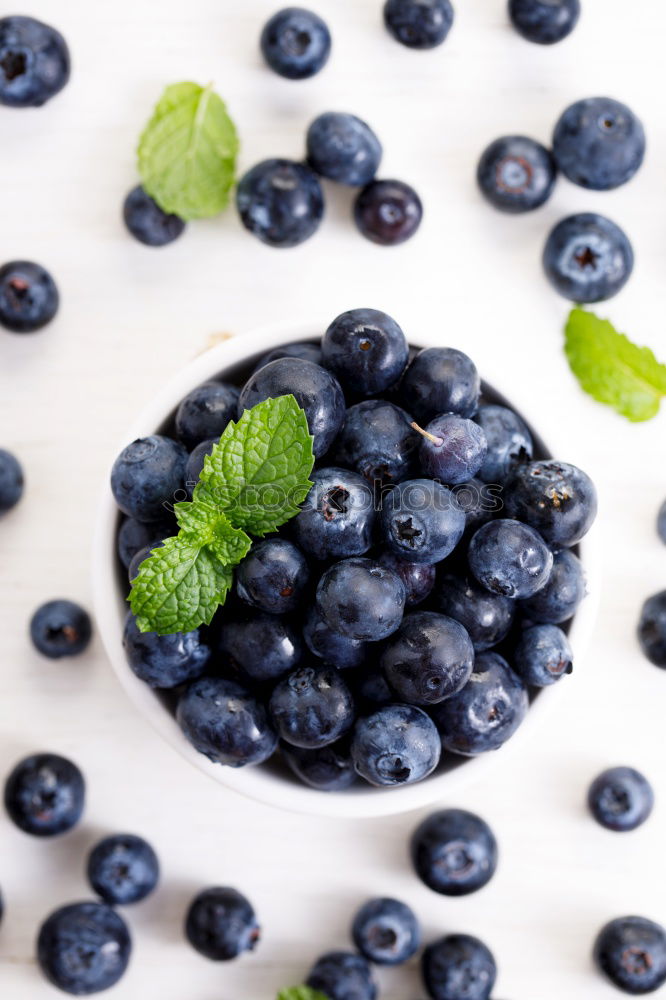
(343, 148)
(388, 212)
(84, 948)
(652, 629)
(588, 258)
(44, 795)
(509, 442)
(312, 707)
(418, 578)
(337, 518)
(458, 967)
(221, 924)
(342, 975)
(454, 852)
(419, 24)
(440, 380)
(147, 475)
(273, 576)
(147, 222)
(34, 62)
(205, 412)
(555, 498)
(386, 931)
(366, 350)
(509, 558)
(306, 352)
(361, 599)
(486, 617)
(452, 449)
(281, 202)
(557, 601)
(631, 952)
(225, 723)
(341, 651)
(516, 174)
(544, 21)
(428, 659)
(421, 521)
(543, 655)
(328, 769)
(296, 43)
(599, 143)
(621, 799)
(60, 628)
(123, 869)
(11, 481)
(396, 745)
(661, 522)
(29, 296)
(378, 441)
(164, 661)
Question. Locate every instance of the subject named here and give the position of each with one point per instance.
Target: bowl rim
(259, 783)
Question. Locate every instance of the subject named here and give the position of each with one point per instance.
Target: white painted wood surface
(131, 316)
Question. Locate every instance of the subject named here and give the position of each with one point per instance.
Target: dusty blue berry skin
(488, 710)
(542, 655)
(378, 441)
(316, 391)
(259, 646)
(428, 659)
(148, 474)
(205, 412)
(147, 222)
(418, 578)
(195, 463)
(631, 953)
(221, 924)
(45, 795)
(136, 535)
(652, 629)
(486, 617)
(273, 576)
(225, 723)
(388, 212)
(29, 297)
(458, 966)
(661, 522)
(458, 451)
(509, 442)
(34, 62)
(386, 931)
(361, 599)
(60, 628)
(509, 558)
(396, 745)
(281, 202)
(440, 380)
(454, 852)
(296, 43)
(558, 599)
(343, 148)
(366, 350)
(419, 24)
(516, 174)
(164, 661)
(123, 869)
(11, 481)
(342, 975)
(327, 769)
(312, 707)
(84, 948)
(588, 258)
(621, 799)
(559, 500)
(337, 517)
(340, 651)
(306, 352)
(599, 143)
(544, 22)
(421, 521)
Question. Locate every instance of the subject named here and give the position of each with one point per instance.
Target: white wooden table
(130, 317)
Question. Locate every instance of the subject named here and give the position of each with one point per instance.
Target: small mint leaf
(300, 993)
(212, 528)
(187, 152)
(611, 368)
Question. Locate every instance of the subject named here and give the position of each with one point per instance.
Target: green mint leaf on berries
(187, 152)
(259, 472)
(611, 368)
(300, 993)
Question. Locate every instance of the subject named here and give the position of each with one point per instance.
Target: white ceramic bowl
(268, 783)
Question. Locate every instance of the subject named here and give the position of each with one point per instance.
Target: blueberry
(378, 441)
(338, 650)
(221, 924)
(195, 463)
(341, 975)
(205, 412)
(479, 501)
(452, 448)
(11, 481)
(621, 799)
(147, 222)
(366, 350)
(60, 628)
(44, 795)
(421, 521)
(370, 689)
(343, 148)
(557, 601)
(386, 931)
(337, 517)
(273, 576)
(396, 745)
(543, 655)
(440, 380)
(599, 143)
(652, 629)
(428, 659)
(544, 21)
(418, 578)
(315, 390)
(486, 617)
(509, 558)
(488, 710)
(281, 202)
(29, 296)
(631, 953)
(509, 442)
(312, 707)
(259, 646)
(84, 948)
(516, 174)
(147, 475)
(136, 535)
(388, 212)
(555, 498)
(458, 967)
(34, 62)
(306, 352)
(123, 869)
(164, 661)
(661, 522)
(225, 723)
(139, 558)
(327, 769)
(454, 852)
(361, 599)
(588, 258)
(296, 43)
(419, 24)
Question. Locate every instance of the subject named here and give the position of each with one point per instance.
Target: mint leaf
(187, 152)
(259, 471)
(212, 528)
(611, 368)
(300, 993)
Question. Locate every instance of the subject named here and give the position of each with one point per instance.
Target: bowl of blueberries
(411, 619)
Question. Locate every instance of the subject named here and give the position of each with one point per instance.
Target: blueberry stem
(426, 434)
